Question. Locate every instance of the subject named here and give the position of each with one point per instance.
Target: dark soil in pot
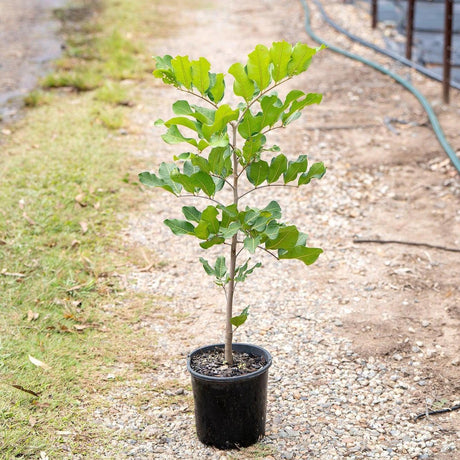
(212, 363)
(230, 411)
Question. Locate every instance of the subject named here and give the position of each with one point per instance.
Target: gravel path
(330, 396)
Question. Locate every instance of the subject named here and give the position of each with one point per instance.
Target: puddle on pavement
(30, 42)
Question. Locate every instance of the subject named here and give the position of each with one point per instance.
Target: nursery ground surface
(362, 341)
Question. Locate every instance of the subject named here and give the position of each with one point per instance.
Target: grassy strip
(64, 182)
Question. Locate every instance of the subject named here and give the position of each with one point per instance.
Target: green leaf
(219, 161)
(250, 125)
(202, 230)
(257, 172)
(231, 230)
(150, 179)
(180, 227)
(204, 115)
(301, 59)
(183, 156)
(189, 168)
(204, 182)
(209, 215)
(295, 168)
(302, 240)
(163, 70)
(272, 230)
(258, 66)
(174, 136)
(229, 214)
(251, 243)
(286, 239)
(165, 171)
(298, 104)
(220, 267)
(250, 215)
(260, 223)
(182, 71)
(201, 163)
(211, 242)
(242, 86)
(191, 213)
(291, 97)
(272, 109)
(316, 171)
(280, 54)
(242, 272)
(302, 253)
(278, 166)
(252, 147)
(274, 209)
(184, 180)
(182, 108)
(200, 74)
(219, 183)
(163, 62)
(219, 140)
(183, 121)
(207, 267)
(294, 116)
(224, 115)
(202, 145)
(216, 87)
(239, 320)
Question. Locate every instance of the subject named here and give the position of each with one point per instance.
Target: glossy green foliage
(230, 147)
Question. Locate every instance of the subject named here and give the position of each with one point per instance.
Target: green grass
(61, 188)
(65, 179)
(91, 57)
(113, 93)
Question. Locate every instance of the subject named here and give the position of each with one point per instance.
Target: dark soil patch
(212, 363)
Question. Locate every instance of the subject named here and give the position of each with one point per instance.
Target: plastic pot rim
(255, 349)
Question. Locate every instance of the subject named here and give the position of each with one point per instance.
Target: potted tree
(230, 161)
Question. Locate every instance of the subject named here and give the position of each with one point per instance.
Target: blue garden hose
(426, 106)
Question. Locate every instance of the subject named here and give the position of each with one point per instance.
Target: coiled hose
(403, 82)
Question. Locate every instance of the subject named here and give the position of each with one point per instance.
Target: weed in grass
(113, 93)
(36, 98)
(111, 118)
(80, 81)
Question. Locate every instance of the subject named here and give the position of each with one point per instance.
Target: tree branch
(201, 196)
(268, 185)
(262, 93)
(198, 95)
(269, 252)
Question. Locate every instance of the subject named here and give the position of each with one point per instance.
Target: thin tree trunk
(231, 284)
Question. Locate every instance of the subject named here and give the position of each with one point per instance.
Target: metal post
(374, 13)
(447, 50)
(410, 28)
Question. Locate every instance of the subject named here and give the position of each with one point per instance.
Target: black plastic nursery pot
(230, 412)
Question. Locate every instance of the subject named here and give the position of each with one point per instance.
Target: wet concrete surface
(29, 42)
